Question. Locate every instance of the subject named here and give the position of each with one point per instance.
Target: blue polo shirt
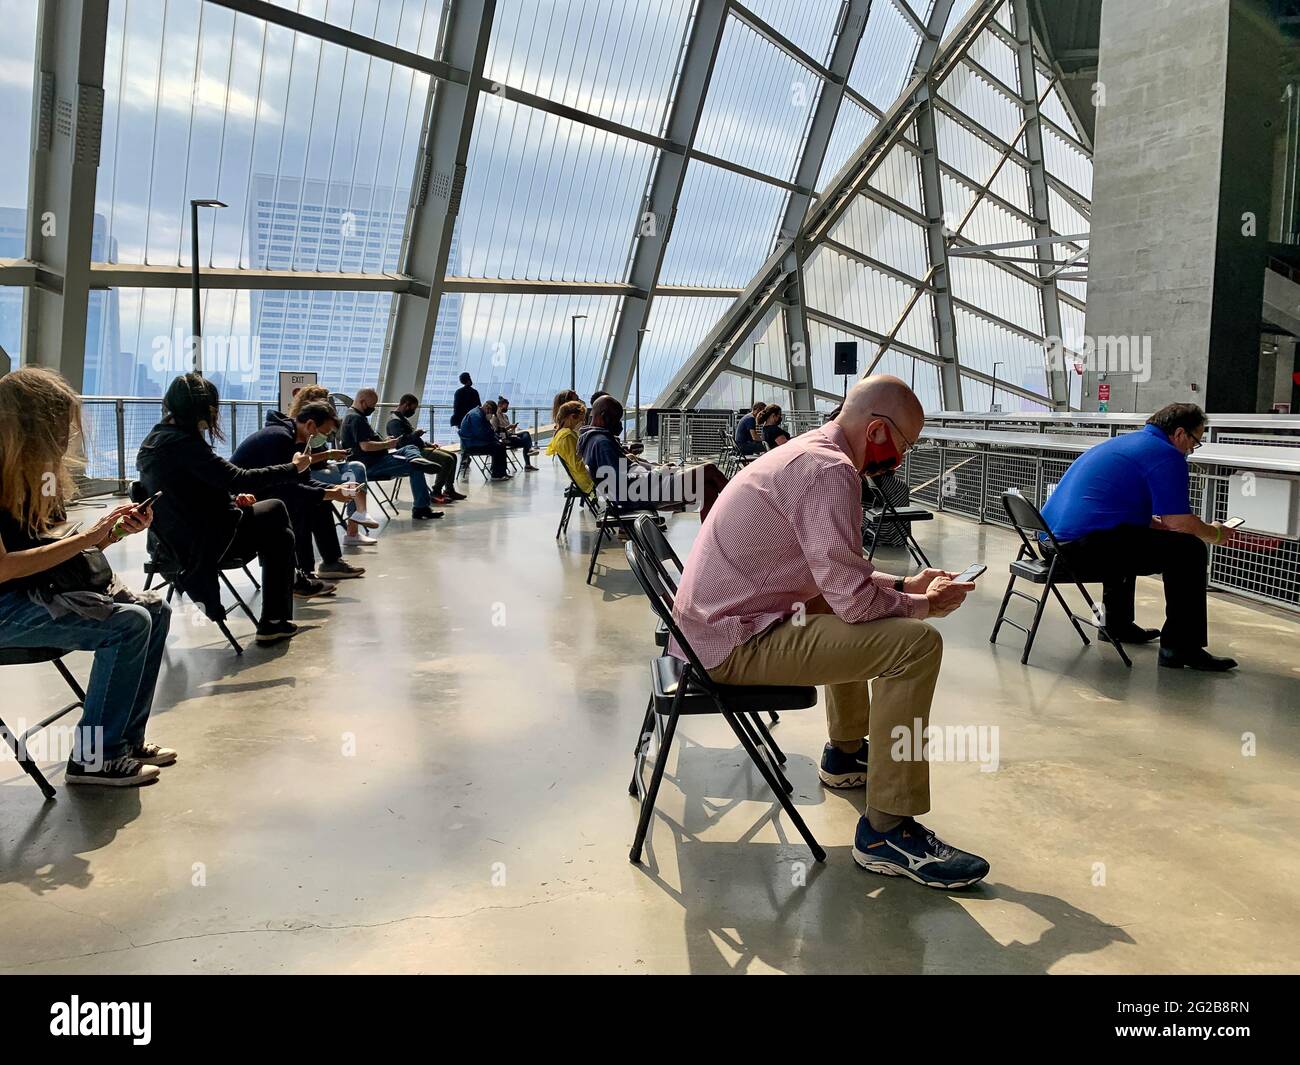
(1125, 481)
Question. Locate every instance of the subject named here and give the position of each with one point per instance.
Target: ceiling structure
(418, 187)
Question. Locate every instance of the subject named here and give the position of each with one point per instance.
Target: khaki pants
(901, 655)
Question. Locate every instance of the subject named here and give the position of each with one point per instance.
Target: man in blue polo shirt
(1123, 509)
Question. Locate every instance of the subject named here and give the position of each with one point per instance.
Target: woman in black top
(40, 417)
(773, 433)
(208, 511)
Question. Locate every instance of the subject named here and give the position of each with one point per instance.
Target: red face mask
(881, 457)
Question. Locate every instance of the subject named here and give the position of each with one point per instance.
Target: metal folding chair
(1039, 566)
(678, 688)
(882, 512)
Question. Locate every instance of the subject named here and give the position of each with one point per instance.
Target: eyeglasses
(910, 442)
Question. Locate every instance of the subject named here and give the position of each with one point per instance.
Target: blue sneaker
(912, 850)
(840, 770)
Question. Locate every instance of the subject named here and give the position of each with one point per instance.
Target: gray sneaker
(339, 571)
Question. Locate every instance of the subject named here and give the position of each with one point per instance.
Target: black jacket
(196, 517)
(273, 445)
(464, 401)
(400, 426)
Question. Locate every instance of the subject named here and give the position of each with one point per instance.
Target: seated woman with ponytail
(55, 595)
(209, 511)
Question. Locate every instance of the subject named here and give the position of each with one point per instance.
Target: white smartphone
(1233, 523)
(970, 573)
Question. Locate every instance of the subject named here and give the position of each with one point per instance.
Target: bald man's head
(882, 418)
(607, 412)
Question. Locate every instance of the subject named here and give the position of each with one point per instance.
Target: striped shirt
(787, 529)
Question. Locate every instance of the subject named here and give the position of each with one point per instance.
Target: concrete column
(1181, 194)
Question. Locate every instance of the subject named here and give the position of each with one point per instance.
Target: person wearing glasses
(777, 591)
(1123, 510)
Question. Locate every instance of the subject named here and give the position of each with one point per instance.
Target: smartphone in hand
(971, 573)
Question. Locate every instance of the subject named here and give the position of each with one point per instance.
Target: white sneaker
(362, 518)
(360, 540)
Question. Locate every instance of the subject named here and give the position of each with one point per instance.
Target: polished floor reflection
(434, 779)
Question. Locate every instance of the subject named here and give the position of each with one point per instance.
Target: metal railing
(115, 426)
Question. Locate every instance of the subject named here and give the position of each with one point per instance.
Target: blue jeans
(128, 650)
(391, 466)
(341, 473)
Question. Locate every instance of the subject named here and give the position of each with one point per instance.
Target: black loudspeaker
(846, 357)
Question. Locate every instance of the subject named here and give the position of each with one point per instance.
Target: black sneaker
(152, 754)
(910, 849)
(503, 477)
(456, 495)
(1199, 659)
(425, 514)
(123, 772)
(310, 588)
(840, 770)
(1130, 634)
(339, 571)
(275, 631)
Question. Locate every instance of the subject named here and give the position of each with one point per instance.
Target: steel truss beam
(441, 164)
(659, 209)
(1058, 382)
(67, 122)
(936, 227)
(714, 352)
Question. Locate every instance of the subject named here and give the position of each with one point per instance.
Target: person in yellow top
(564, 444)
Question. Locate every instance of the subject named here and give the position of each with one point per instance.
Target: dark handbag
(87, 571)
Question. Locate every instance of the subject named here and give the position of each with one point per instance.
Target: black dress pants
(264, 531)
(1117, 557)
(312, 522)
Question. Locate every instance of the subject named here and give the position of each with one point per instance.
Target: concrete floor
(434, 779)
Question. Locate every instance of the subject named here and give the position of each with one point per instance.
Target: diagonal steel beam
(1058, 381)
(730, 330)
(660, 206)
(435, 198)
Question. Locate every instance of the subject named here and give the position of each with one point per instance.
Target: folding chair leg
(229, 636)
(1033, 629)
(781, 796)
(239, 599)
(1104, 630)
(148, 579)
(249, 575)
(914, 546)
(26, 764)
(564, 517)
(656, 778)
(595, 550)
(1056, 591)
(71, 680)
(766, 737)
(1002, 610)
(639, 751)
(747, 723)
(875, 535)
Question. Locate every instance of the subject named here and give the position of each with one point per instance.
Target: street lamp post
(753, 374)
(640, 337)
(573, 350)
(196, 325)
(994, 395)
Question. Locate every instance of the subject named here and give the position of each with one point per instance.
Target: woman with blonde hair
(561, 398)
(54, 596)
(564, 444)
(331, 466)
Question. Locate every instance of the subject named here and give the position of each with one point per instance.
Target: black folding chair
(163, 564)
(679, 688)
(480, 459)
(881, 512)
(23, 656)
(610, 521)
(1039, 565)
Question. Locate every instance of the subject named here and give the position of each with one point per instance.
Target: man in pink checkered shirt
(777, 591)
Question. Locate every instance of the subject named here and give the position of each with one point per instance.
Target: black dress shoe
(1131, 634)
(1199, 659)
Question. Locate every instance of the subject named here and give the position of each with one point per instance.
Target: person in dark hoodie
(401, 424)
(630, 483)
(307, 501)
(208, 510)
(465, 400)
(477, 437)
